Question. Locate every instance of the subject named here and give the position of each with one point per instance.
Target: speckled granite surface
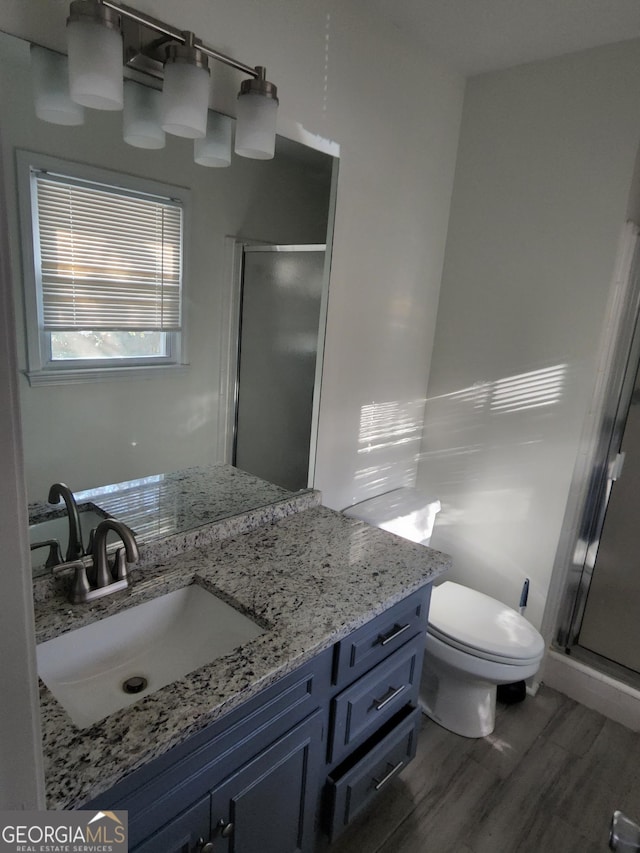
(171, 513)
(310, 579)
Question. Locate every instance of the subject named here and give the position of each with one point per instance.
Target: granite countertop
(309, 579)
(174, 512)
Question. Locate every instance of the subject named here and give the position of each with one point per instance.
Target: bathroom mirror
(93, 433)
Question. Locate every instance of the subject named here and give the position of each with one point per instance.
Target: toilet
(473, 643)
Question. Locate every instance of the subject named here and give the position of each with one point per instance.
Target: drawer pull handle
(383, 639)
(225, 829)
(390, 696)
(389, 775)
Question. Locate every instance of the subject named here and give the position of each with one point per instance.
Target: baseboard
(599, 692)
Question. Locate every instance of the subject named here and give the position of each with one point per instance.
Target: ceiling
(474, 36)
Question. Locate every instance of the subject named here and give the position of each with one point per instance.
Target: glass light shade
(50, 78)
(256, 126)
(185, 99)
(141, 117)
(215, 148)
(95, 64)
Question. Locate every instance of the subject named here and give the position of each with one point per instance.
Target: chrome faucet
(105, 574)
(75, 548)
(95, 577)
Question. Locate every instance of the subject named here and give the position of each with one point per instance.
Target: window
(105, 294)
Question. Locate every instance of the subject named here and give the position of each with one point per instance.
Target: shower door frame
(598, 460)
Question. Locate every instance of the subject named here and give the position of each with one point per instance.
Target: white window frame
(41, 369)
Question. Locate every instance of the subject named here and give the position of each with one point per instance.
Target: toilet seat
(482, 627)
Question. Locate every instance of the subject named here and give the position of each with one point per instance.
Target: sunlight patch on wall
(529, 390)
(389, 438)
(391, 424)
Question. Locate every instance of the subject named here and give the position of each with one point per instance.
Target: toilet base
(462, 706)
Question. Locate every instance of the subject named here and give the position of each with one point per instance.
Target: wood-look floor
(546, 781)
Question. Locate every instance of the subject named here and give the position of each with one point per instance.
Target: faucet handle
(55, 552)
(80, 586)
(119, 570)
(92, 533)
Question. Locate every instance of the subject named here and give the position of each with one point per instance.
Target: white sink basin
(160, 640)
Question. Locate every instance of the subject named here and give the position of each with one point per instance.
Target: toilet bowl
(473, 642)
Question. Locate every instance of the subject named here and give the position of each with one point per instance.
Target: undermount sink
(141, 649)
(58, 528)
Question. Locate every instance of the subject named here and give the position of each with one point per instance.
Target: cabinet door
(183, 833)
(268, 805)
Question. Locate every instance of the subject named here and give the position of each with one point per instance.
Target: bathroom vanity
(282, 740)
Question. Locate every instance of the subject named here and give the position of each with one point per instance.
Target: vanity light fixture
(50, 77)
(215, 148)
(257, 108)
(94, 40)
(101, 32)
(141, 119)
(185, 94)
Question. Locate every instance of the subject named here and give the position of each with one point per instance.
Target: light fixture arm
(179, 36)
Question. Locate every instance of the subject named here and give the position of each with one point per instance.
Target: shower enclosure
(600, 621)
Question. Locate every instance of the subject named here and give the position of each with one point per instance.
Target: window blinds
(109, 259)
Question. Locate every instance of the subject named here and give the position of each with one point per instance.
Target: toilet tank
(407, 512)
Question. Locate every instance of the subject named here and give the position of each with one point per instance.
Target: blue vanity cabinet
(266, 806)
(291, 767)
(374, 714)
(264, 757)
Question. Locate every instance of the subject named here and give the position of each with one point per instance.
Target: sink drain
(135, 684)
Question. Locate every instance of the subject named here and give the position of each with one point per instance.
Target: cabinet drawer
(360, 709)
(372, 643)
(358, 781)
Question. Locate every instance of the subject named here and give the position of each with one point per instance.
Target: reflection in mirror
(162, 508)
(104, 429)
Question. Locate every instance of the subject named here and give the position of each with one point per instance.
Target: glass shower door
(611, 622)
(279, 327)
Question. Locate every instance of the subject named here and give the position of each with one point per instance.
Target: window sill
(71, 376)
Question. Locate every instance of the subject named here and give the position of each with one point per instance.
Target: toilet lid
(477, 623)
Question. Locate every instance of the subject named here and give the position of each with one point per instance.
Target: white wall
(395, 113)
(136, 427)
(542, 182)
